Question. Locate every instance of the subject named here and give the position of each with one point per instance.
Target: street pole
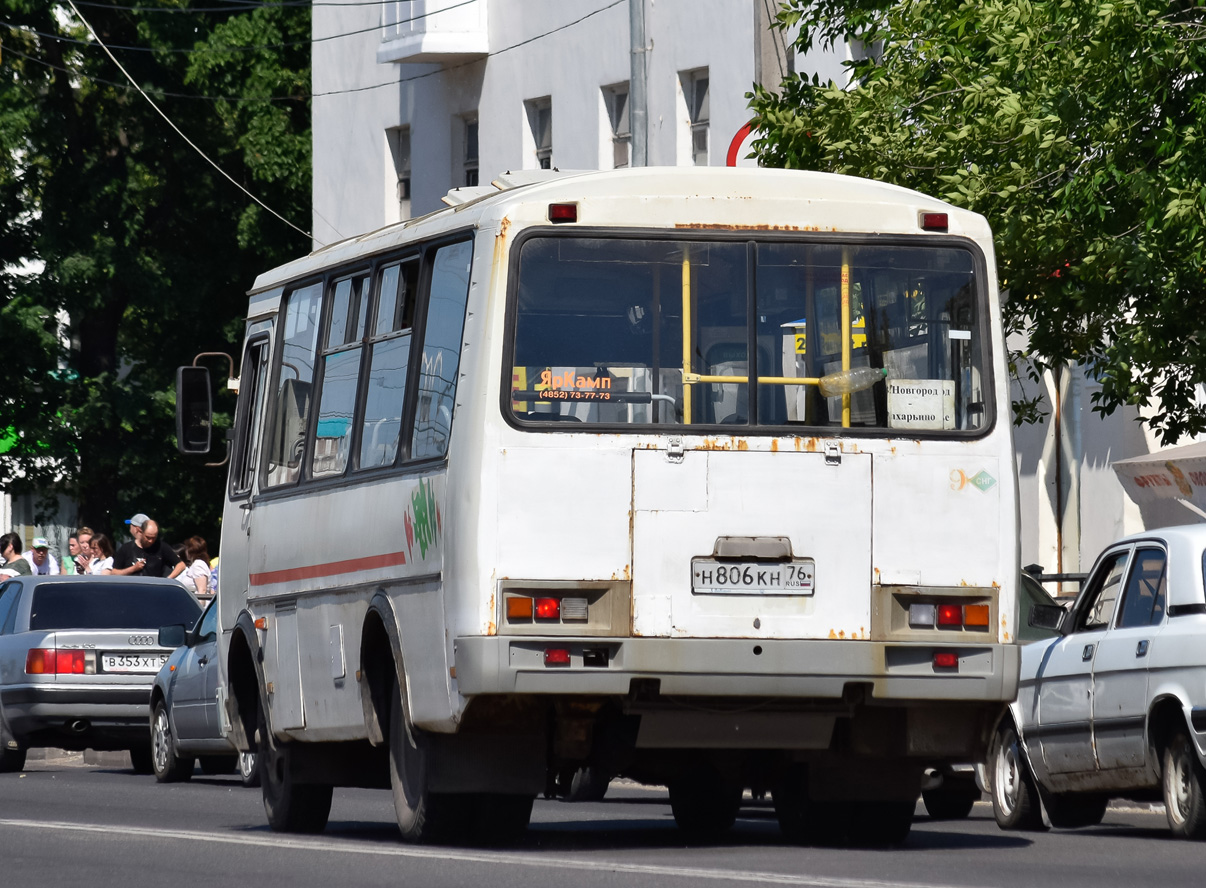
(638, 105)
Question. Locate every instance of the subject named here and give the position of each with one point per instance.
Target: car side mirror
(1047, 616)
(172, 636)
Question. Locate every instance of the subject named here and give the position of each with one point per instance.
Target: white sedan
(1115, 705)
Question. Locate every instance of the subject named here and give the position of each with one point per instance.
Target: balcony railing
(441, 31)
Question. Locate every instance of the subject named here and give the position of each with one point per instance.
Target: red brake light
(48, 661)
(934, 222)
(950, 615)
(556, 657)
(563, 212)
(69, 663)
(548, 609)
(946, 660)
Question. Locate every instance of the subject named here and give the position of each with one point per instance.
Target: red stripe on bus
(330, 569)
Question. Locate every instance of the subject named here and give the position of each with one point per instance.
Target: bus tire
(877, 824)
(950, 802)
(501, 819)
(290, 806)
(704, 804)
(1184, 784)
(802, 819)
(589, 784)
(1015, 796)
(12, 759)
(423, 816)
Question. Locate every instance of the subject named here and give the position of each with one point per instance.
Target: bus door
(244, 455)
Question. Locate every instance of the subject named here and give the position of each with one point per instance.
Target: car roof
(101, 580)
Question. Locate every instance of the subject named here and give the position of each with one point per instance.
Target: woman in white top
(196, 576)
(102, 550)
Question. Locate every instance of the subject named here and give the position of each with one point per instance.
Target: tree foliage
(123, 253)
(1074, 127)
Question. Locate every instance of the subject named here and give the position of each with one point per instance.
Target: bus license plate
(712, 577)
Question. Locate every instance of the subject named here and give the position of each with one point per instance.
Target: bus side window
(340, 375)
(443, 329)
(389, 360)
(291, 408)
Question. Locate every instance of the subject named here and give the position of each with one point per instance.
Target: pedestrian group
(90, 553)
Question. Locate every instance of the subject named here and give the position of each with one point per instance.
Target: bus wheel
(705, 805)
(423, 816)
(501, 819)
(290, 806)
(950, 802)
(802, 819)
(881, 823)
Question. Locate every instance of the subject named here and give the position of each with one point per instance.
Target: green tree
(1073, 126)
(123, 253)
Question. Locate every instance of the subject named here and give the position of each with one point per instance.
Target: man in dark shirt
(10, 549)
(146, 555)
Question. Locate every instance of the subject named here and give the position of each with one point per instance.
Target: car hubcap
(1007, 772)
(161, 741)
(1178, 787)
(246, 763)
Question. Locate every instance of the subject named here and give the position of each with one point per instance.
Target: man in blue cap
(146, 555)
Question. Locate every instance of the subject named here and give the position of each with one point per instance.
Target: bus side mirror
(1047, 616)
(194, 410)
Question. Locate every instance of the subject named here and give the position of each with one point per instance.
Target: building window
(616, 100)
(470, 152)
(399, 149)
(695, 92)
(540, 121)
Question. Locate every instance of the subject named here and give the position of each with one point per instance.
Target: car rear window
(83, 605)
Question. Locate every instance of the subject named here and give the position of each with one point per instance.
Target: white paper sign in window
(921, 403)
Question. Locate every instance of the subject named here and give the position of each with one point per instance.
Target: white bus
(602, 471)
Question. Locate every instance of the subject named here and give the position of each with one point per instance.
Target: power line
(160, 92)
(234, 49)
(179, 132)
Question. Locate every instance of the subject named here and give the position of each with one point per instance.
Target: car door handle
(1141, 649)
(1087, 653)
(203, 661)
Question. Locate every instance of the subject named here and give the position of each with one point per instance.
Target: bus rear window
(623, 331)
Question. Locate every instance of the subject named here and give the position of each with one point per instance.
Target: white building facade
(415, 97)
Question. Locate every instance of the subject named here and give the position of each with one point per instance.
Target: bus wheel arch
(381, 667)
(244, 679)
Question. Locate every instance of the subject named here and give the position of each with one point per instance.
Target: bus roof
(715, 198)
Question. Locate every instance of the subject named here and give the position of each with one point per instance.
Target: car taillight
(50, 661)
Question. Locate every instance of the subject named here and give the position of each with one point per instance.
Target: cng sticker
(982, 481)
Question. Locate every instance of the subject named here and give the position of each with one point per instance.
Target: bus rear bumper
(709, 667)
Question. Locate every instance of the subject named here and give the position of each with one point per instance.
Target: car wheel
(422, 815)
(167, 766)
(290, 806)
(219, 764)
(1183, 780)
(1075, 810)
(249, 770)
(950, 802)
(12, 757)
(704, 804)
(141, 759)
(1015, 798)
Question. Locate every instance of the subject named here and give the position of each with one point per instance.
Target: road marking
(508, 858)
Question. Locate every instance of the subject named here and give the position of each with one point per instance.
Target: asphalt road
(65, 822)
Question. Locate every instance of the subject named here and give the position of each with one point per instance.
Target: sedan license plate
(712, 577)
(148, 663)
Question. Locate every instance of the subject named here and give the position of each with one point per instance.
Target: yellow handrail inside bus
(846, 331)
(686, 338)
